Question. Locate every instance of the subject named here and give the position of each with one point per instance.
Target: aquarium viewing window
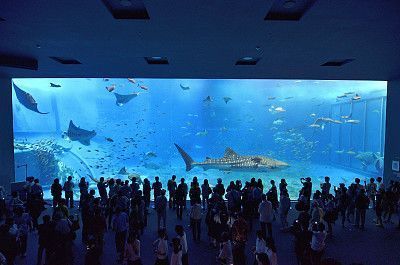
(229, 129)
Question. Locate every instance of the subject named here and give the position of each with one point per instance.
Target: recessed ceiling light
(38, 46)
(289, 4)
(156, 60)
(248, 60)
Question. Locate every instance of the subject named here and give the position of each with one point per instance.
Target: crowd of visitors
(228, 213)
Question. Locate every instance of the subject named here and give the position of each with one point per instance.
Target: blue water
(262, 117)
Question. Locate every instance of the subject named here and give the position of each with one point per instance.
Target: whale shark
(27, 100)
(75, 133)
(231, 161)
(123, 99)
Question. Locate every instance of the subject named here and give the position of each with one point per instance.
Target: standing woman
(132, 250)
(205, 192)
(161, 248)
(84, 191)
(146, 192)
(176, 256)
(181, 235)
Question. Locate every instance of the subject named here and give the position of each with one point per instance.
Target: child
(132, 250)
(181, 235)
(176, 257)
(161, 248)
(225, 254)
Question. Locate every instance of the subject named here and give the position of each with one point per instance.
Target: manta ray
(75, 133)
(231, 161)
(227, 99)
(27, 100)
(123, 171)
(123, 99)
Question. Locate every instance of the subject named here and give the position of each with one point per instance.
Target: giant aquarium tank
(228, 129)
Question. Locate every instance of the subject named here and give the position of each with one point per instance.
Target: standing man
(102, 186)
(171, 190)
(161, 208)
(56, 191)
(157, 187)
(361, 204)
(266, 215)
(69, 192)
(371, 190)
(120, 226)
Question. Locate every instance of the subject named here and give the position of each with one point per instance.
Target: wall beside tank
(392, 142)
(6, 134)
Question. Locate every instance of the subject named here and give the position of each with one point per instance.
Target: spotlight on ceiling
(125, 3)
(156, 60)
(248, 60)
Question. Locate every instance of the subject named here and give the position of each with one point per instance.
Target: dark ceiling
(203, 39)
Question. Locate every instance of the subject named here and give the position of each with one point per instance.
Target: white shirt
(176, 258)
(183, 243)
(226, 252)
(265, 211)
(132, 251)
(318, 241)
(261, 246)
(273, 259)
(161, 248)
(195, 212)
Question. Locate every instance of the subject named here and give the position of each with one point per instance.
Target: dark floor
(374, 246)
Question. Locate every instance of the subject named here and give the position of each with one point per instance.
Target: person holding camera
(317, 242)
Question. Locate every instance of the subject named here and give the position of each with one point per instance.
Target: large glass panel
(232, 129)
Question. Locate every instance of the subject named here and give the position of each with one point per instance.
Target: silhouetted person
(56, 191)
(69, 192)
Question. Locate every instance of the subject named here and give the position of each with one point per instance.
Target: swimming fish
(278, 122)
(123, 99)
(108, 139)
(75, 133)
(352, 121)
(342, 96)
(231, 161)
(184, 87)
(202, 133)
(27, 100)
(143, 87)
(131, 80)
(54, 85)
(151, 154)
(227, 99)
(279, 109)
(110, 88)
(123, 171)
(349, 93)
(356, 97)
(207, 99)
(271, 98)
(313, 115)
